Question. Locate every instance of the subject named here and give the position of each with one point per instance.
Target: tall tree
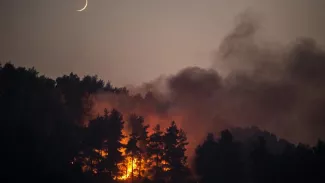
(219, 161)
(104, 137)
(139, 129)
(113, 143)
(77, 92)
(155, 150)
(205, 160)
(133, 151)
(174, 153)
(231, 165)
(137, 126)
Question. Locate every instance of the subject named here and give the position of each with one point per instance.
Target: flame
(126, 168)
(165, 168)
(102, 153)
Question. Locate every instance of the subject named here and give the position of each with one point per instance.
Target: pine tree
(175, 146)
(113, 142)
(205, 160)
(155, 150)
(230, 166)
(104, 136)
(219, 161)
(138, 128)
(133, 150)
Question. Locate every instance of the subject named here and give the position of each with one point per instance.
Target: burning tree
(162, 158)
(133, 151)
(110, 153)
(102, 144)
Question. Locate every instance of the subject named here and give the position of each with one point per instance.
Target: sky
(135, 41)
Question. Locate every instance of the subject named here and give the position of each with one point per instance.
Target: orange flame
(126, 168)
(128, 164)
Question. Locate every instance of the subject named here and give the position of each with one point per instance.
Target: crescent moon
(84, 6)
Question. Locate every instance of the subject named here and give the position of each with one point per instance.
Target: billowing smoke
(251, 83)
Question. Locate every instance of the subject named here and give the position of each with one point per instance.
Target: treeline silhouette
(49, 135)
(259, 158)
(45, 138)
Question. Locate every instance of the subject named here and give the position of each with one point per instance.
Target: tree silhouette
(44, 139)
(155, 150)
(133, 150)
(206, 159)
(174, 154)
(228, 161)
(140, 130)
(136, 123)
(225, 160)
(76, 93)
(103, 143)
(113, 142)
(219, 160)
(39, 140)
(262, 162)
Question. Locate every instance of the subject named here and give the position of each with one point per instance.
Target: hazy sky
(131, 41)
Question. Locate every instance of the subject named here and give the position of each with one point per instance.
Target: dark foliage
(226, 160)
(175, 141)
(39, 139)
(155, 151)
(48, 134)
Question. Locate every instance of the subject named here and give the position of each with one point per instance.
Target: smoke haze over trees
(267, 103)
(251, 83)
(40, 131)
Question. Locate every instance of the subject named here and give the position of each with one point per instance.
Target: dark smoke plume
(279, 89)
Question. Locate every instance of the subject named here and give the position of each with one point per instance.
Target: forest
(50, 134)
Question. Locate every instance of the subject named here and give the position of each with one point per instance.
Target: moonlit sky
(134, 41)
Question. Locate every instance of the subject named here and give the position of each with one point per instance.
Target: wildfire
(128, 165)
(138, 166)
(126, 168)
